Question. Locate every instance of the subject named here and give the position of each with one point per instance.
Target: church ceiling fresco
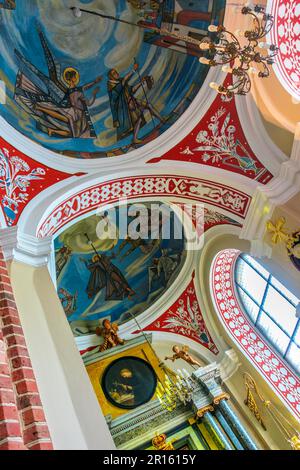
(218, 140)
(126, 276)
(91, 87)
(131, 274)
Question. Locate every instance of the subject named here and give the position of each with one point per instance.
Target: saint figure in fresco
(59, 106)
(128, 111)
(162, 269)
(105, 275)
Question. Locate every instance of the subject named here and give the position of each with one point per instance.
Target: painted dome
(89, 86)
(118, 263)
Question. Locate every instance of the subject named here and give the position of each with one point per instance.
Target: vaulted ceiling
(71, 143)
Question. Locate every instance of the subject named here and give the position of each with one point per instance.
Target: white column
(72, 411)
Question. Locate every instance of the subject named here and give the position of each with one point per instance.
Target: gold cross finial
(278, 231)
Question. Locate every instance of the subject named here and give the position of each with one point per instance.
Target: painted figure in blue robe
(105, 275)
(127, 110)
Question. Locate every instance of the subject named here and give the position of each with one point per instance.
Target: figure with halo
(56, 102)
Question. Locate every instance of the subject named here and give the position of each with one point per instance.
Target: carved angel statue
(183, 354)
(109, 331)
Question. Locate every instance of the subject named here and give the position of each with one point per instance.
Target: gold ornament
(223, 396)
(159, 442)
(280, 235)
(250, 400)
(205, 409)
(295, 442)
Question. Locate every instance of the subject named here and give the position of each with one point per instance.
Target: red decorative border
(149, 186)
(286, 35)
(184, 318)
(272, 367)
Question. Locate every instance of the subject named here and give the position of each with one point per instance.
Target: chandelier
(240, 61)
(225, 50)
(176, 388)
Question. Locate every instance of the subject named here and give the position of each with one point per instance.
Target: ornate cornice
(32, 250)
(8, 241)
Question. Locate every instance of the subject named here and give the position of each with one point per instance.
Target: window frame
(256, 349)
(244, 258)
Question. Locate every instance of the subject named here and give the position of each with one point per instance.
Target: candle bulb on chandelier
(227, 69)
(263, 45)
(204, 46)
(214, 86)
(213, 28)
(203, 60)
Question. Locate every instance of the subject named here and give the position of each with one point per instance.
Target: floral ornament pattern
(286, 35)
(15, 178)
(184, 318)
(271, 366)
(218, 140)
(21, 178)
(196, 189)
(219, 144)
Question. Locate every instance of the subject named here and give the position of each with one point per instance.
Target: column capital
(207, 372)
(32, 250)
(206, 409)
(8, 241)
(222, 396)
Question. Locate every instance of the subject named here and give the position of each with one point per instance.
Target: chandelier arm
(266, 72)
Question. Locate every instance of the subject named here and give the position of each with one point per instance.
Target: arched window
(271, 307)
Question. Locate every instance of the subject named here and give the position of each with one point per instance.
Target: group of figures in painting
(125, 105)
(118, 279)
(60, 107)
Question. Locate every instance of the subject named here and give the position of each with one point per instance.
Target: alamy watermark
(152, 221)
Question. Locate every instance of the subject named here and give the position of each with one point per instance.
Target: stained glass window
(271, 307)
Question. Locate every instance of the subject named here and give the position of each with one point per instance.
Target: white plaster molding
(45, 202)
(257, 137)
(156, 148)
(229, 364)
(32, 250)
(266, 198)
(260, 249)
(295, 154)
(8, 241)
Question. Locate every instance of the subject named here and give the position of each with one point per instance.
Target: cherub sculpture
(183, 354)
(109, 331)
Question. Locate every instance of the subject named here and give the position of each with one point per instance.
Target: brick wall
(22, 420)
